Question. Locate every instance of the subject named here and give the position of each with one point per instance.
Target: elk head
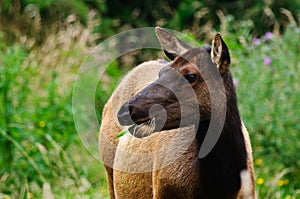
(180, 96)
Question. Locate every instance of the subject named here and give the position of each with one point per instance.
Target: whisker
(134, 131)
(144, 129)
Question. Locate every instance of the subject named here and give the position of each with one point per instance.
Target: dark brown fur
(220, 169)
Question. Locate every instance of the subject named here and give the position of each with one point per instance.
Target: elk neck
(220, 169)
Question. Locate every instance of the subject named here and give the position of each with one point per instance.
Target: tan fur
(108, 141)
(181, 175)
(248, 188)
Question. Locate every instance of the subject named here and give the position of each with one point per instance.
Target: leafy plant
(40, 152)
(268, 96)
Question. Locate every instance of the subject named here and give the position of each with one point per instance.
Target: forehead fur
(195, 56)
(195, 52)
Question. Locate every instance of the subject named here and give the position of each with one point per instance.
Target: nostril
(129, 108)
(124, 115)
(123, 110)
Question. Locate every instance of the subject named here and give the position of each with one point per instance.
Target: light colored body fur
(164, 172)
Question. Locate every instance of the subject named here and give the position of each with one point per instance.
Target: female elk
(176, 100)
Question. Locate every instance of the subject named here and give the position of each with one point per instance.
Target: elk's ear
(171, 45)
(220, 54)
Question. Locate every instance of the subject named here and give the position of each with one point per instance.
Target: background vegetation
(43, 43)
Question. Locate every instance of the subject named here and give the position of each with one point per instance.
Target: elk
(169, 108)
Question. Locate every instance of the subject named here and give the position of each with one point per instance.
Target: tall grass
(40, 150)
(269, 94)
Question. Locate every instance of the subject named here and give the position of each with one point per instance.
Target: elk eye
(190, 77)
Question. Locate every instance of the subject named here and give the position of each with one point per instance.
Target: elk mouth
(143, 129)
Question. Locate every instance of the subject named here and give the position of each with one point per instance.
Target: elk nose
(124, 115)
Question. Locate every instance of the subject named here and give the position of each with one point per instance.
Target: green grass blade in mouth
(121, 133)
(127, 130)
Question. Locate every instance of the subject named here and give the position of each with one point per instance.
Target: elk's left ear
(171, 45)
(220, 54)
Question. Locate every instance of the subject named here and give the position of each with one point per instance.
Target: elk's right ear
(171, 45)
(220, 54)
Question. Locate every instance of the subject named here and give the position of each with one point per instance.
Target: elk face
(180, 96)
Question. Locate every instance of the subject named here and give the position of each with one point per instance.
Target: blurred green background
(43, 43)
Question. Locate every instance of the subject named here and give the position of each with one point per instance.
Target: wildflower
(42, 124)
(6, 196)
(236, 82)
(268, 36)
(286, 181)
(256, 41)
(280, 183)
(30, 195)
(260, 181)
(258, 162)
(267, 61)
(288, 197)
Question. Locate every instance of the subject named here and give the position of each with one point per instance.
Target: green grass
(269, 100)
(40, 146)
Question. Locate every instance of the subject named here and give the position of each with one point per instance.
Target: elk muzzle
(153, 102)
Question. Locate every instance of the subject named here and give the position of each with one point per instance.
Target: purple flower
(267, 61)
(256, 41)
(268, 36)
(236, 82)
